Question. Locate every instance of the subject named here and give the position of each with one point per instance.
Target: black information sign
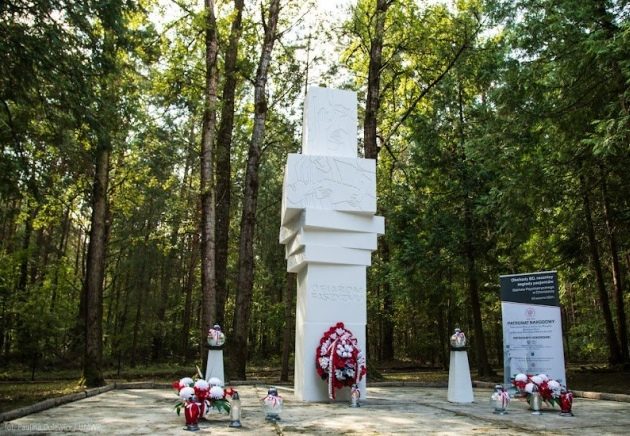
(531, 288)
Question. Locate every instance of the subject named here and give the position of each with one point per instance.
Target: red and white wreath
(338, 354)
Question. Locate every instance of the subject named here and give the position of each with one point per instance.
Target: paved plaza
(387, 410)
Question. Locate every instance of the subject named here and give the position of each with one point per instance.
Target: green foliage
(499, 108)
(221, 406)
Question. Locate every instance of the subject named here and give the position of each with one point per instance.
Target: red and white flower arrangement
(548, 389)
(339, 359)
(204, 394)
(185, 382)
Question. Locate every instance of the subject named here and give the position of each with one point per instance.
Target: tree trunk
(143, 282)
(372, 101)
(441, 333)
(136, 325)
(223, 167)
(40, 257)
(120, 324)
(78, 258)
(167, 274)
(208, 288)
(387, 348)
(483, 366)
(24, 342)
(61, 249)
(189, 284)
(244, 286)
(616, 271)
(103, 122)
(370, 151)
(112, 308)
(614, 355)
(95, 271)
(5, 325)
(289, 325)
(171, 268)
(26, 243)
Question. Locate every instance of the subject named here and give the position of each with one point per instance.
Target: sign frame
(532, 325)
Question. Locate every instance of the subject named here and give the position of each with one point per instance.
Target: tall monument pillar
(329, 231)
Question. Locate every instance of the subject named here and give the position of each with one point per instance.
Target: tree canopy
(143, 142)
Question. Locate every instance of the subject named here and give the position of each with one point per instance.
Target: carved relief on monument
(330, 120)
(323, 182)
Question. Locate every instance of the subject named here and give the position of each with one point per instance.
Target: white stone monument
(329, 231)
(459, 383)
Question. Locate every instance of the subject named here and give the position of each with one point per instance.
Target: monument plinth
(329, 231)
(216, 341)
(459, 382)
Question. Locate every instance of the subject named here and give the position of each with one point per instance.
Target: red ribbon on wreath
(339, 359)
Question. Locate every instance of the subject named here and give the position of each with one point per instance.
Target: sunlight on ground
(395, 420)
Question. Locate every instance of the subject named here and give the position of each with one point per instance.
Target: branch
(397, 163)
(183, 6)
(262, 17)
(425, 91)
(298, 20)
(14, 134)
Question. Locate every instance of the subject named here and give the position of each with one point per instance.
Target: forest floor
(591, 378)
(17, 389)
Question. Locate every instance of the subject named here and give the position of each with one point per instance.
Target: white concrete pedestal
(326, 294)
(215, 365)
(459, 382)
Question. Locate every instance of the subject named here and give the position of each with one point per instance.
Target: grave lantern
(535, 402)
(272, 405)
(458, 340)
(566, 402)
(355, 394)
(500, 400)
(191, 408)
(235, 411)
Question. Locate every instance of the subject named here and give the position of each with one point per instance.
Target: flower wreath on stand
(339, 359)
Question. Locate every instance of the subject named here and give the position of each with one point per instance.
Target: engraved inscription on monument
(337, 293)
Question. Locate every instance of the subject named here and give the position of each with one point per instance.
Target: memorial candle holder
(535, 402)
(216, 338)
(355, 395)
(235, 411)
(272, 405)
(566, 403)
(191, 408)
(500, 400)
(192, 414)
(202, 391)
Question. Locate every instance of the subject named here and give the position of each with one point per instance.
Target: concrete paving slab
(387, 410)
